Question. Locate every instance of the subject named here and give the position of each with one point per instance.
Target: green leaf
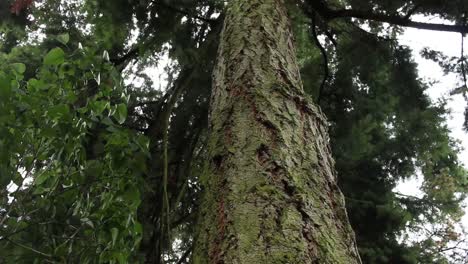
(5, 85)
(54, 57)
(105, 55)
(5, 177)
(40, 190)
(121, 113)
(117, 138)
(120, 257)
(19, 68)
(132, 197)
(88, 222)
(97, 107)
(63, 38)
(42, 178)
(18, 179)
(35, 85)
(143, 142)
(58, 111)
(66, 69)
(115, 233)
(138, 228)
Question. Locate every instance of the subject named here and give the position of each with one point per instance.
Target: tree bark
(270, 191)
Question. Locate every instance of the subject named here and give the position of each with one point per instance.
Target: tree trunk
(270, 188)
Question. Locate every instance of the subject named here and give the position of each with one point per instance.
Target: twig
(462, 59)
(324, 55)
(29, 248)
(180, 87)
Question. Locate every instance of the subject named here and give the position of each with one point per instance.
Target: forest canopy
(102, 162)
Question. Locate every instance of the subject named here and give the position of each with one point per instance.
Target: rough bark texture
(270, 189)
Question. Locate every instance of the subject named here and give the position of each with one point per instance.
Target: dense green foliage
(67, 149)
(97, 168)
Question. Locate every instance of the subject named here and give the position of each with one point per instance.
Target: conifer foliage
(101, 162)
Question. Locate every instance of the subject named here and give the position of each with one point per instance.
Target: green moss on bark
(270, 190)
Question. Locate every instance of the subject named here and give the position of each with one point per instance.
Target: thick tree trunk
(270, 189)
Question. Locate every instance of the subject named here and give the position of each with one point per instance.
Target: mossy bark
(270, 188)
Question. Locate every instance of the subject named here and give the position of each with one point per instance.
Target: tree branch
(28, 248)
(326, 72)
(130, 55)
(411, 11)
(462, 60)
(188, 14)
(184, 256)
(330, 14)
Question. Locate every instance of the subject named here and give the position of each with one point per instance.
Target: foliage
(70, 192)
(83, 149)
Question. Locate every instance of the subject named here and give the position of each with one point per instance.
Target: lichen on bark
(270, 189)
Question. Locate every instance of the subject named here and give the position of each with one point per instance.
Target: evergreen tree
(95, 167)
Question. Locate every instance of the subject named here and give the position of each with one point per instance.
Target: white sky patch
(162, 73)
(134, 33)
(411, 186)
(27, 181)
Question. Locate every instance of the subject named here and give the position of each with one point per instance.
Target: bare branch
(188, 14)
(462, 60)
(330, 14)
(326, 71)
